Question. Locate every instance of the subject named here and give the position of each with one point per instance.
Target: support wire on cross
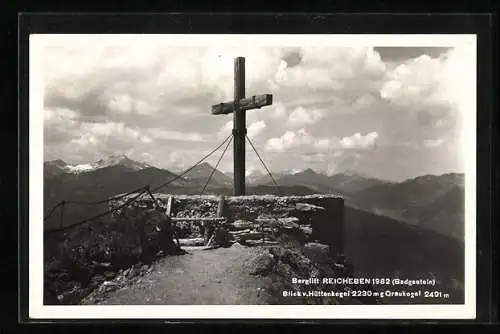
(215, 168)
(195, 165)
(263, 164)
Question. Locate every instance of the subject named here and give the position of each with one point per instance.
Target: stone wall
(327, 225)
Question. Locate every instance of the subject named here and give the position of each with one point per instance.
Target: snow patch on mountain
(79, 168)
(109, 161)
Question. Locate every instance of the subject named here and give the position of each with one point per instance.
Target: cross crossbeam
(254, 102)
(238, 108)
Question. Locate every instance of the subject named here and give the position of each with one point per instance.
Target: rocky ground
(202, 276)
(226, 276)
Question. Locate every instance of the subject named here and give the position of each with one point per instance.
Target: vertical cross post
(239, 127)
(239, 107)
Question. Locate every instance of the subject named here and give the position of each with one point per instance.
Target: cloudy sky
(389, 112)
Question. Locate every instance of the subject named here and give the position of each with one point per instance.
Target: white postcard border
(39, 311)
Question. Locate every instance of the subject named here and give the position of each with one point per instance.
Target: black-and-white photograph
(313, 170)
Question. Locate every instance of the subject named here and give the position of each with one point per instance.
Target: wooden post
(220, 207)
(239, 127)
(211, 223)
(207, 231)
(169, 206)
(173, 225)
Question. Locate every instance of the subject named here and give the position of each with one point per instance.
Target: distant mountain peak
(119, 159)
(107, 161)
(205, 170)
(205, 165)
(114, 158)
(309, 170)
(57, 162)
(350, 172)
(354, 173)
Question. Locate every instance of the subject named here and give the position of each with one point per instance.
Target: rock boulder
(317, 252)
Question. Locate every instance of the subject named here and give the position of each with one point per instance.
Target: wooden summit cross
(238, 107)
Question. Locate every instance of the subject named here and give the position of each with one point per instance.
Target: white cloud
(303, 141)
(281, 71)
(84, 141)
(300, 117)
(251, 169)
(175, 135)
(279, 110)
(288, 140)
(121, 104)
(431, 143)
(255, 128)
(322, 145)
(332, 69)
(416, 79)
(145, 139)
(432, 81)
(144, 108)
(115, 130)
(358, 141)
(177, 160)
(225, 130)
(58, 115)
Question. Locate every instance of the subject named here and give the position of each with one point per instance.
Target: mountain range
(431, 201)
(341, 183)
(202, 172)
(57, 167)
(434, 202)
